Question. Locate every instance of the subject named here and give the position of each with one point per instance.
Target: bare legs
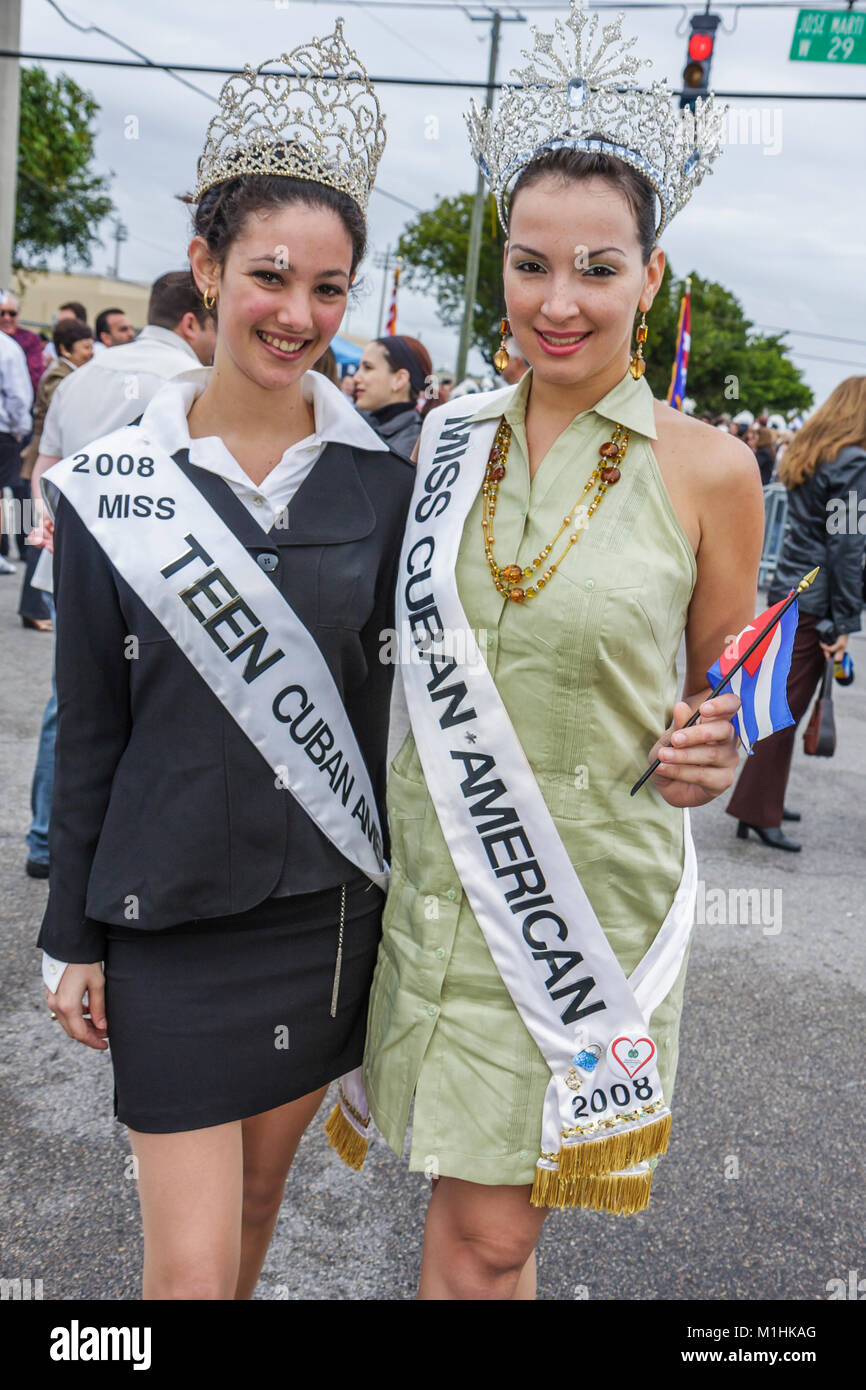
(270, 1142)
(479, 1242)
(209, 1201)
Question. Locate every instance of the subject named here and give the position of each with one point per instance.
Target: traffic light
(699, 58)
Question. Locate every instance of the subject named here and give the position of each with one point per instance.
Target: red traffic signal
(696, 73)
(700, 46)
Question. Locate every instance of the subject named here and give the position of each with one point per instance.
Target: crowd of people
(767, 435)
(393, 385)
(399, 403)
(36, 369)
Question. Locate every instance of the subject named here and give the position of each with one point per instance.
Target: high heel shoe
(788, 815)
(770, 835)
(38, 624)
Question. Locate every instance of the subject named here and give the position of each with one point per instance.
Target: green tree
(731, 367)
(60, 200)
(770, 378)
(434, 247)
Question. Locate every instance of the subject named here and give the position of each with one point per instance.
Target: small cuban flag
(762, 680)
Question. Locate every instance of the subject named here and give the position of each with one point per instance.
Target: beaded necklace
(606, 473)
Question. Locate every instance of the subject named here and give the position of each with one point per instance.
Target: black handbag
(819, 737)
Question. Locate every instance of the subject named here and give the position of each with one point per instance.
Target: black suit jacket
(163, 811)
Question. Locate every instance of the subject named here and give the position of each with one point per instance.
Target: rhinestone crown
(577, 99)
(317, 119)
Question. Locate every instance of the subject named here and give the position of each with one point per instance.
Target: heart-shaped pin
(632, 1054)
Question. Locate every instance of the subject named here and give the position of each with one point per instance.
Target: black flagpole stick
(801, 587)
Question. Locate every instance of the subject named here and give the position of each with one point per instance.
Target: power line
(839, 361)
(95, 29)
(396, 81)
(170, 69)
(395, 199)
(401, 38)
(804, 333)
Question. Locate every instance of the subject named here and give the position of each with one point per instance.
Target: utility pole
(473, 256)
(10, 84)
(120, 234)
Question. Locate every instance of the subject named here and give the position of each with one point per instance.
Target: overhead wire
(173, 70)
(389, 81)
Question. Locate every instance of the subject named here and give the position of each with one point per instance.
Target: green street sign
(829, 36)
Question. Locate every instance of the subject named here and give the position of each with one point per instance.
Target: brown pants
(760, 791)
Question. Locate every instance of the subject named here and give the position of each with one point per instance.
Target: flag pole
(801, 588)
(686, 294)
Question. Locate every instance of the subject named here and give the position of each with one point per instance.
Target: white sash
(604, 1109)
(233, 624)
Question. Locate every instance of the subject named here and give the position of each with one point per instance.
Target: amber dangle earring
(501, 358)
(637, 365)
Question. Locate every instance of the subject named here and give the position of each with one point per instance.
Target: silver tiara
(576, 99)
(318, 119)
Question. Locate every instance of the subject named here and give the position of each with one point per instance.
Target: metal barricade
(775, 514)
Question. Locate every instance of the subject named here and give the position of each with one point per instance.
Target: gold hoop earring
(207, 296)
(501, 358)
(637, 365)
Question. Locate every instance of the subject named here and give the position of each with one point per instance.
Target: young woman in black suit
(199, 918)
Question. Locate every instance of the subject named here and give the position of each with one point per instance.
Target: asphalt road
(760, 1197)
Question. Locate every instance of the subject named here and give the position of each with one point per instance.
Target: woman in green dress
(580, 631)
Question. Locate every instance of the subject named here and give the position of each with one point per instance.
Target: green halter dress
(587, 672)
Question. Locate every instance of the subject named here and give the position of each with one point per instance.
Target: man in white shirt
(113, 389)
(16, 398)
(112, 330)
(106, 393)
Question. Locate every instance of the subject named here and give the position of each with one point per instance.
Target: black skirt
(226, 1017)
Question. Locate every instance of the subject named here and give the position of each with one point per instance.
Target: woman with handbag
(824, 468)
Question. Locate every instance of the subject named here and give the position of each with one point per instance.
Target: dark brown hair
(326, 365)
(68, 332)
(172, 296)
(77, 308)
(102, 324)
(765, 439)
(577, 165)
(223, 209)
(409, 353)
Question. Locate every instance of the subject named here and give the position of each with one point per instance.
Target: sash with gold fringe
(605, 1119)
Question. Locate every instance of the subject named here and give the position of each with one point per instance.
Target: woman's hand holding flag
(700, 762)
(698, 758)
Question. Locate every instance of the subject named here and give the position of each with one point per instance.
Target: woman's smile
(286, 348)
(561, 344)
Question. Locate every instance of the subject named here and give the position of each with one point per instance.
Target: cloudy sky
(780, 222)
